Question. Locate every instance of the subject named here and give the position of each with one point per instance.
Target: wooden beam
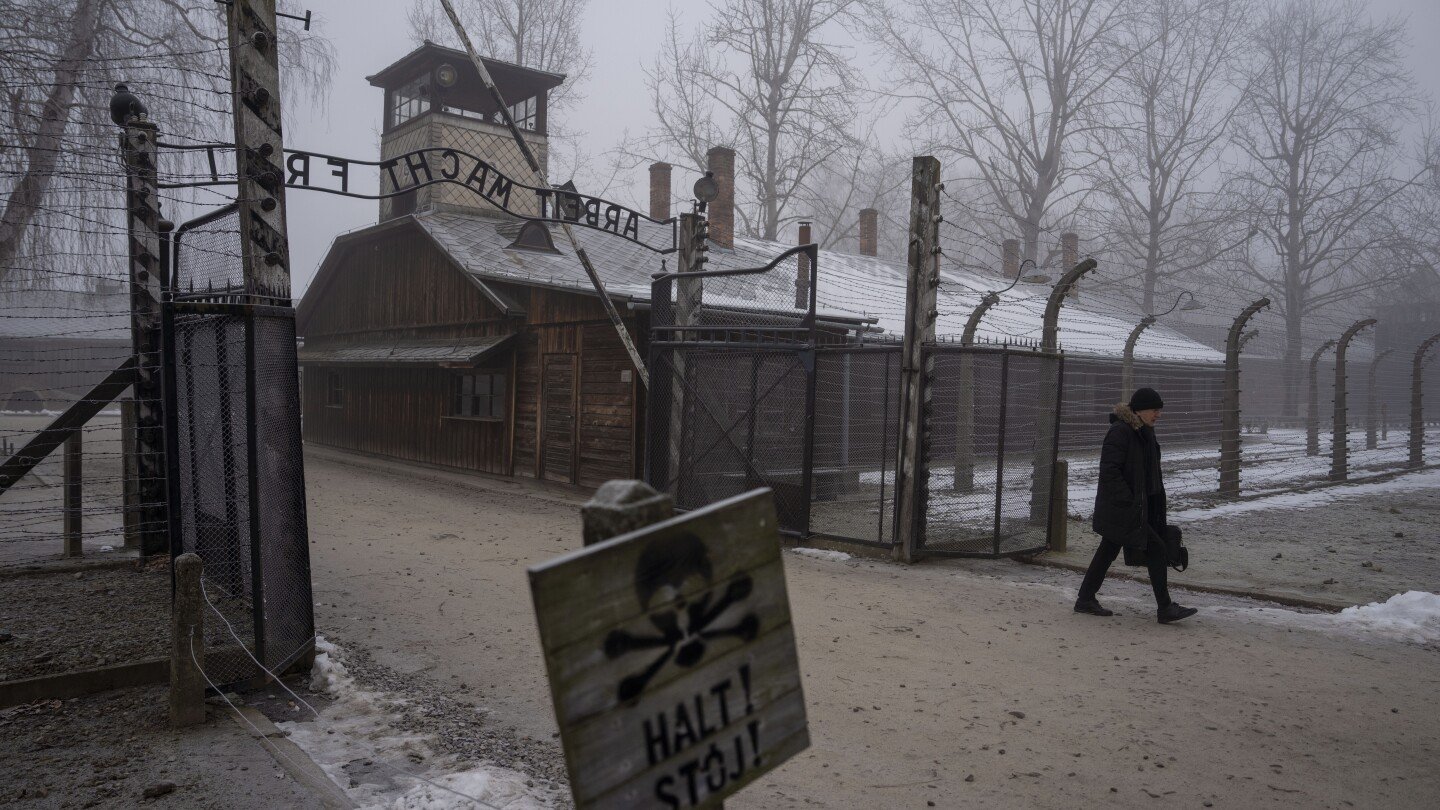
(66, 424)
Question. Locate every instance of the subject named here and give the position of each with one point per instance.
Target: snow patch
(822, 554)
(354, 742)
(1428, 479)
(1412, 617)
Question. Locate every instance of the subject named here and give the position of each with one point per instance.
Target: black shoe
(1173, 613)
(1093, 607)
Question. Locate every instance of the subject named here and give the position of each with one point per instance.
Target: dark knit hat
(1144, 399)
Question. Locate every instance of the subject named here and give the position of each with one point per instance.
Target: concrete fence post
(1047, 415)
(1230, 407)
(1340, 435)
(912, 479)
(1372, 400)
(1417, 403)
(1059, 539)
(187, 644)
(1312, 411)
(622, 506)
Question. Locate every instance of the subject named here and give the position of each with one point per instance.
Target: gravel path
(108, 750)
(55, 623)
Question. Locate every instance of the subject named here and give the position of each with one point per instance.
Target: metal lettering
(454, 158)
(298, 164)
(342, 171)
(415, 162)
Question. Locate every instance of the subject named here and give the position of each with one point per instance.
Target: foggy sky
(624, 35)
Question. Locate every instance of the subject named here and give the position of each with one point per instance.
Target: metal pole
(1417, 403)
(922, 283)
(1230, 408)
(1000, 446)
(74, 494)
(807, 359)
(1312, 417)
(1340, 436)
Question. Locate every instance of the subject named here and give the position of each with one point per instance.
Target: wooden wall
(402, 286)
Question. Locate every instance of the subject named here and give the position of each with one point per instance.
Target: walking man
(1130, 505)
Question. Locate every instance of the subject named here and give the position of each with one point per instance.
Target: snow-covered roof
(853, 288)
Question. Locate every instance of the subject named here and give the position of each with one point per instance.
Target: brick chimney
(1010, 258)
(1069, 257)
(721, 161)
(802, 272)
(869, 232)
(660, 190)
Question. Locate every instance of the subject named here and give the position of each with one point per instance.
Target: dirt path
(952, 684)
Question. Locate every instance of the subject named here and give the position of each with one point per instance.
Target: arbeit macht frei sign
(672, 658)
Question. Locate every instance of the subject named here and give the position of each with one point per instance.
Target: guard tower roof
(511, 78)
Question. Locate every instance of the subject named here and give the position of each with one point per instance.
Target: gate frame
(666, 335)
(1006, 351)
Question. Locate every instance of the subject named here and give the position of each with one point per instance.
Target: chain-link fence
(991, 431)
(857, 416)
(233, 447)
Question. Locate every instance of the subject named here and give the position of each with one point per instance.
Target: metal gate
(992, 429)
(232, 444)
(732, 386)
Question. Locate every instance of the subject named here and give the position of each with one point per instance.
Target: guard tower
(434, 99)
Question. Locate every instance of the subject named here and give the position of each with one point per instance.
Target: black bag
(1170, 543)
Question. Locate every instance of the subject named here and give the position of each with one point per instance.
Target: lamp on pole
(1127, 368)
(1372, 398)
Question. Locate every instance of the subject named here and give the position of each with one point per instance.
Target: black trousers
(1100, 565)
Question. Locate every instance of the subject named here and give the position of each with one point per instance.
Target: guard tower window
(408, 101)
(524, 113)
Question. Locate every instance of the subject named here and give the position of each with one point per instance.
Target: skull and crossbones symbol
(684, 627)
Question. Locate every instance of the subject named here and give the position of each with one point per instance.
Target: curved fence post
(1372, 399)
(1340, 436)
(1417, 403)
(1230, 408)
(1312, 413)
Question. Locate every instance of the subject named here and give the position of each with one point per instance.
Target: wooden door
(558, 417)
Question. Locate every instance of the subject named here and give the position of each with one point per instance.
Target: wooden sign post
(672, 659)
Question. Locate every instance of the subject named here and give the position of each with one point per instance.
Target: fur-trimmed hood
(1122, 413)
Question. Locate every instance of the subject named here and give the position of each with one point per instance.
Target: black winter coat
(1126, 512)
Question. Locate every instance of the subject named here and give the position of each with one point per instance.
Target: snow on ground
(1412, 617)
(1426, 479)
(821, 554)
(354, 742)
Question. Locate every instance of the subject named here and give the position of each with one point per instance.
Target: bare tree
(540, 34)
(860, 176)
(1172, 105)
(1325, 95)
(60, 182)
(1009, 87)
(759, 77)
